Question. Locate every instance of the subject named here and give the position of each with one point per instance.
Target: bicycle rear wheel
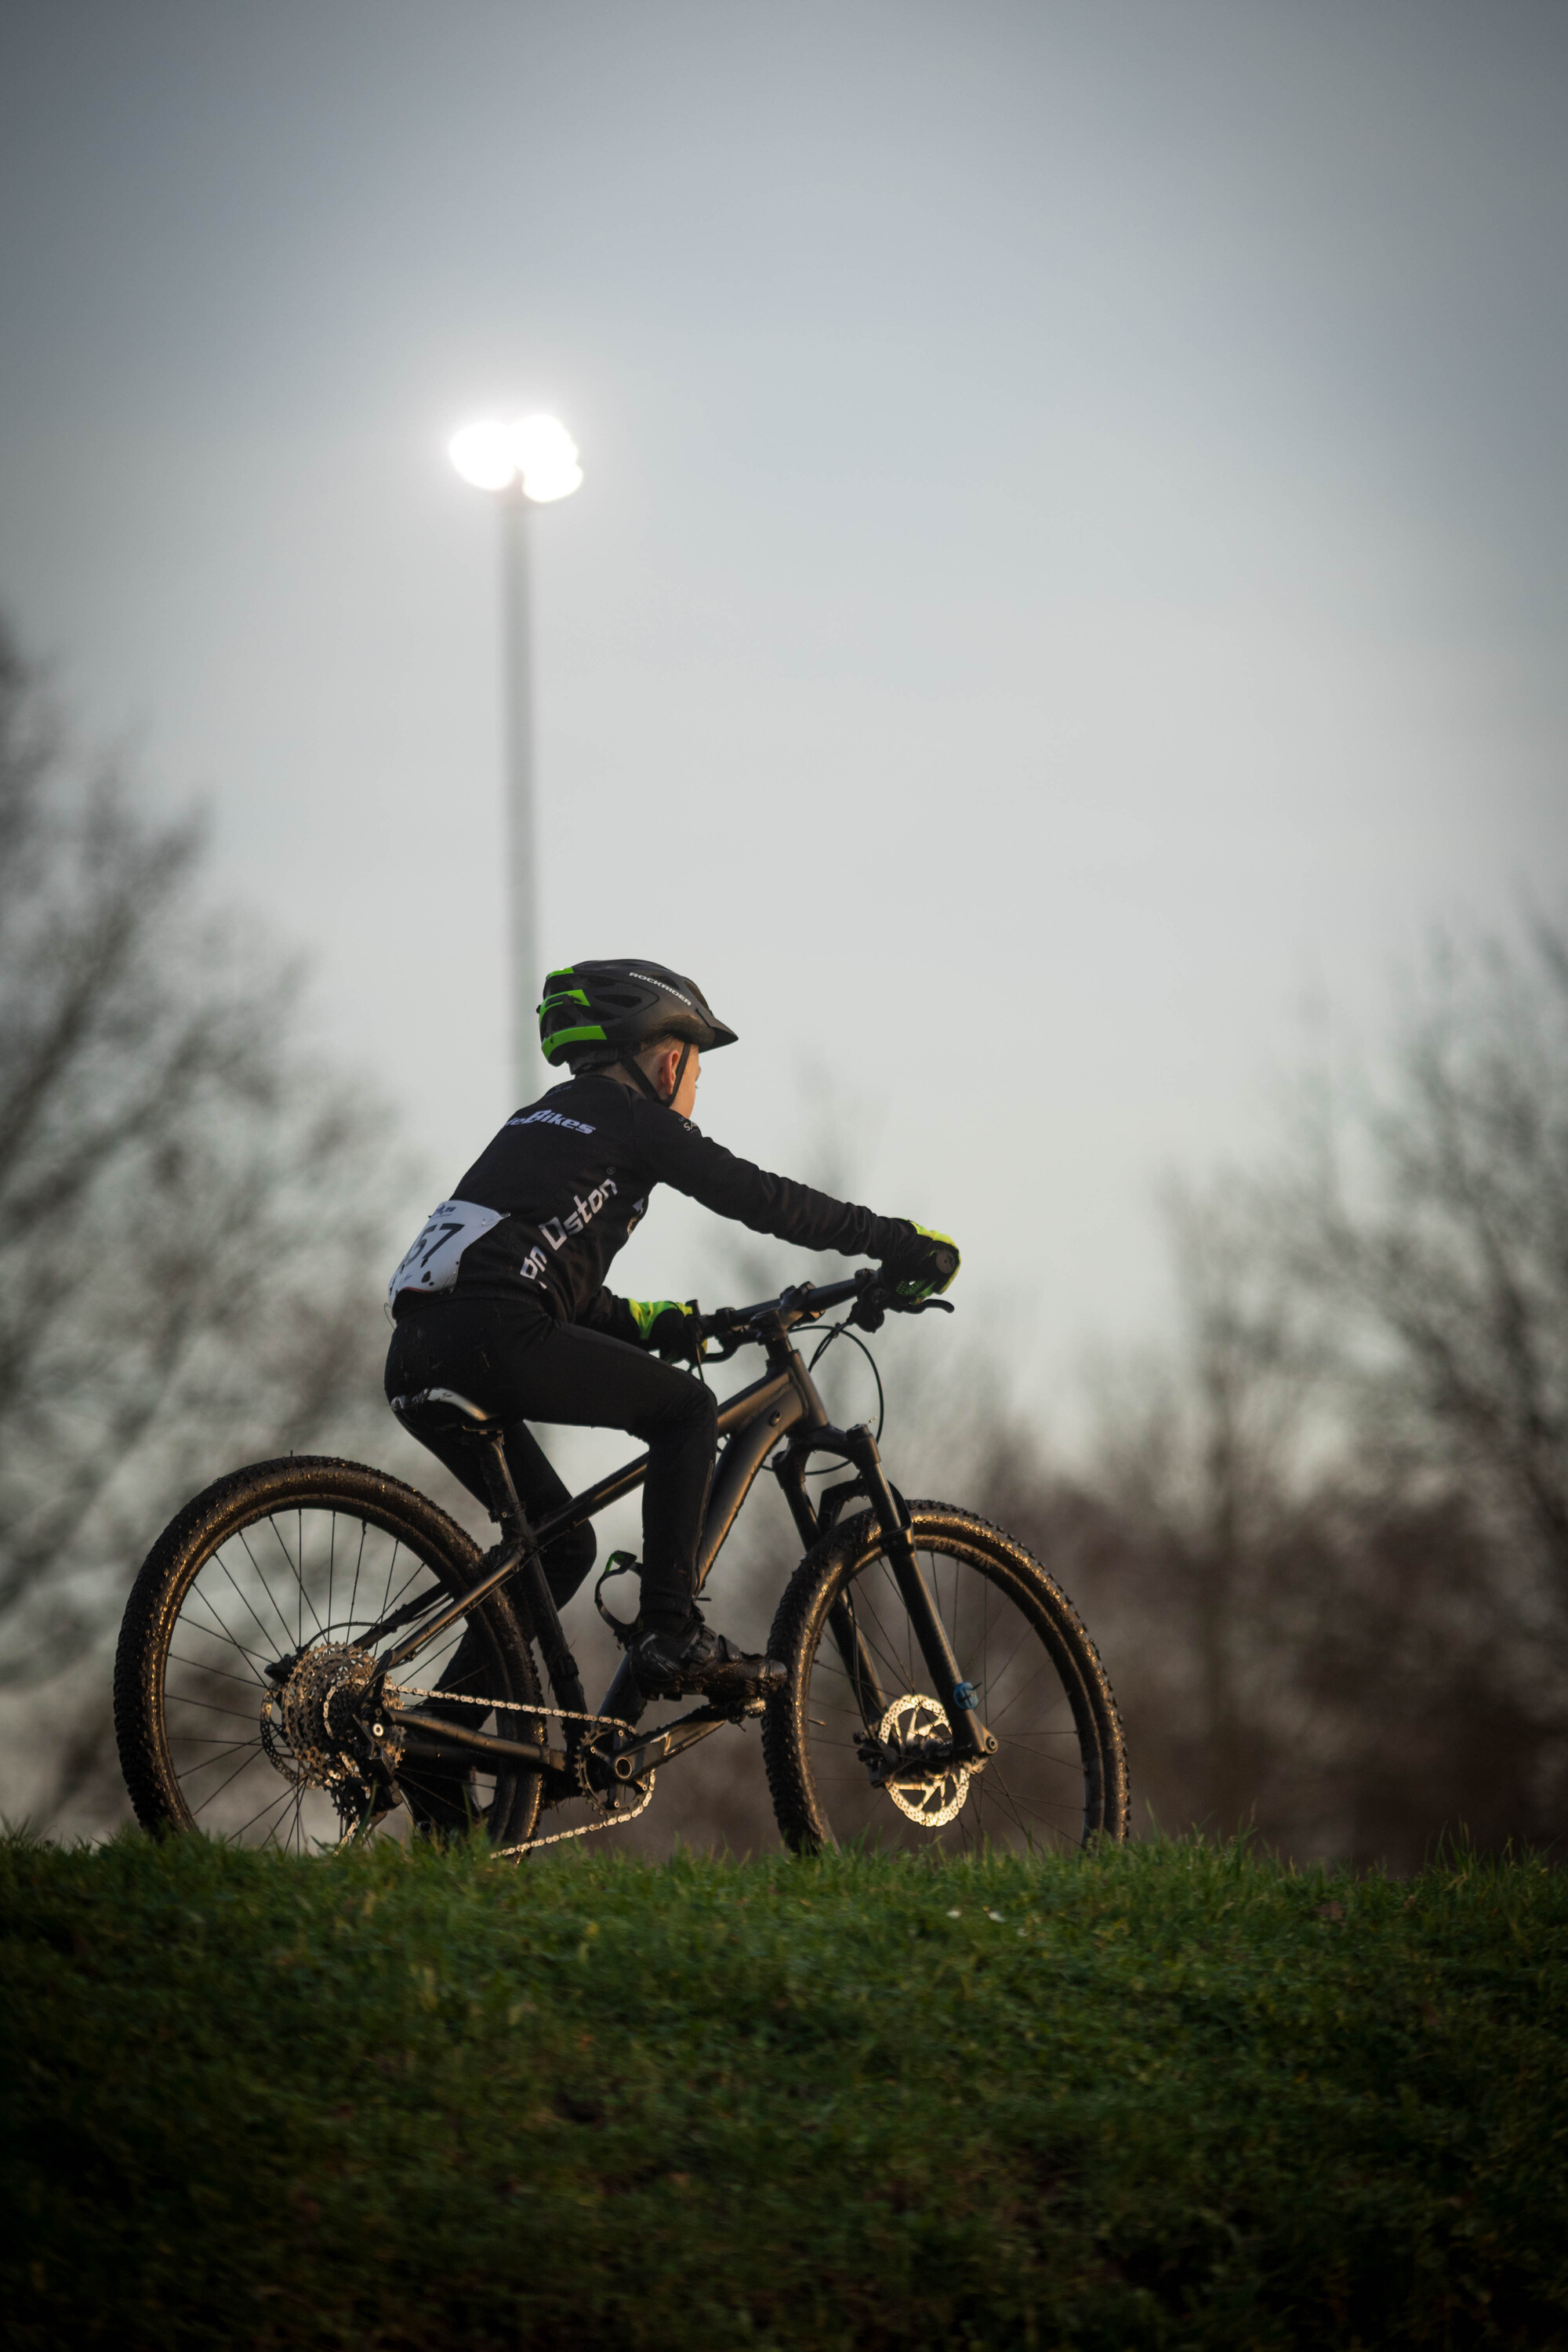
(291, 1565)
(857, 1743)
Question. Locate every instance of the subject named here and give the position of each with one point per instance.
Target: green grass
(1168, 2097)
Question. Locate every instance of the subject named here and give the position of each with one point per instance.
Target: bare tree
(192, 1218)
(1323, 1539)
(1431, 1216)
(1182, 1533)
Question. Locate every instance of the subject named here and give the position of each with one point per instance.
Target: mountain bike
(314, 1653)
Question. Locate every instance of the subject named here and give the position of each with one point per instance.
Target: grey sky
(1071, 563)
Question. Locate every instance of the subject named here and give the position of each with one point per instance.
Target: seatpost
(506, 1509)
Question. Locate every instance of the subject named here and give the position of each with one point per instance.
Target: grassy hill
(1163, 2097)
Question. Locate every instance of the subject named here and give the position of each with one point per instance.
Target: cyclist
(502, 1295)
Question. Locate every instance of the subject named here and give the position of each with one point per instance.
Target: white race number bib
(432, 1263)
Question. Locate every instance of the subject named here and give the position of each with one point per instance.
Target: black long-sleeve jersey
(545, 1207)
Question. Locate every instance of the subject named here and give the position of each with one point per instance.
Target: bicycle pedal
(736, 1710)
(627, 1629)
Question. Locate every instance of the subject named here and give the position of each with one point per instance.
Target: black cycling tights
(521, 1366)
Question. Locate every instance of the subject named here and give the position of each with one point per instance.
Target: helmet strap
(630, 1064)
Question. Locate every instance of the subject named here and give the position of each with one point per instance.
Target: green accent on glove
(646, 1313)
(933, 1269)
(667, 1326)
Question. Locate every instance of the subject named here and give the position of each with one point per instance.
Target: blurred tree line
(196, 1216)
(1322, 1541)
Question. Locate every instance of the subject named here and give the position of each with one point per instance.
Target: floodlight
(546, 455)
(483, 455)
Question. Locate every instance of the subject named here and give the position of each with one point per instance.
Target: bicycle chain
(564, 1715)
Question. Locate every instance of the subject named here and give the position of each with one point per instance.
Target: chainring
(596, 1780)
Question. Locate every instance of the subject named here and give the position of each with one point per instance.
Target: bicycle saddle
(444, 1410)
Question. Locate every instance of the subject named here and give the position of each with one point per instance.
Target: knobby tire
(1059, 1778)
(224, 1515)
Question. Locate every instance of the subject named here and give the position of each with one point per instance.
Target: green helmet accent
(594, 1014)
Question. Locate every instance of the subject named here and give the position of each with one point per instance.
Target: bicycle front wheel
(858, 1744)
(253, 1627)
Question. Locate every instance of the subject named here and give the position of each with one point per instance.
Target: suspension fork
(849, 1640)
(970, 1737)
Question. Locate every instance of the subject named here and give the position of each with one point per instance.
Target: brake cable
(842, 1332)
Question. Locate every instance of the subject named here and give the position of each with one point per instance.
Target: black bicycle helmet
(595, 1014)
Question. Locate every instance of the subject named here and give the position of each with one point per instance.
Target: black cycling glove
(923, 1266)
(669, 1327)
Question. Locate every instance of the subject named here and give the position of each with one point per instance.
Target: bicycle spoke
(391, 1571)
(297, 1570)
(217, 1674)
(213, 1795)
(359, 1562)
(244, 1602)
(273, 1805)
(211, 1706)
(290, 1640)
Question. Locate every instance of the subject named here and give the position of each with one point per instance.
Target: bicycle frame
(783, 1405)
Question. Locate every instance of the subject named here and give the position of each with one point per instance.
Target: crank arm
(631, 1763)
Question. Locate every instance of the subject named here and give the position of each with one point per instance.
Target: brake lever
(872, 1309)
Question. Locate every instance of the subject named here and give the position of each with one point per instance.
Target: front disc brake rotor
(920, 1773)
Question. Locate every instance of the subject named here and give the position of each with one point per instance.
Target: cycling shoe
(696, 1659)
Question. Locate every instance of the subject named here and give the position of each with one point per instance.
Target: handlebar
(771, 1319)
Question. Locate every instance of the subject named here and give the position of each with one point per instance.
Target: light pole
(531, 463)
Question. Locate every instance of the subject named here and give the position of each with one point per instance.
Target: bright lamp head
(483, 454)
(546, 456)
(538, 450)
